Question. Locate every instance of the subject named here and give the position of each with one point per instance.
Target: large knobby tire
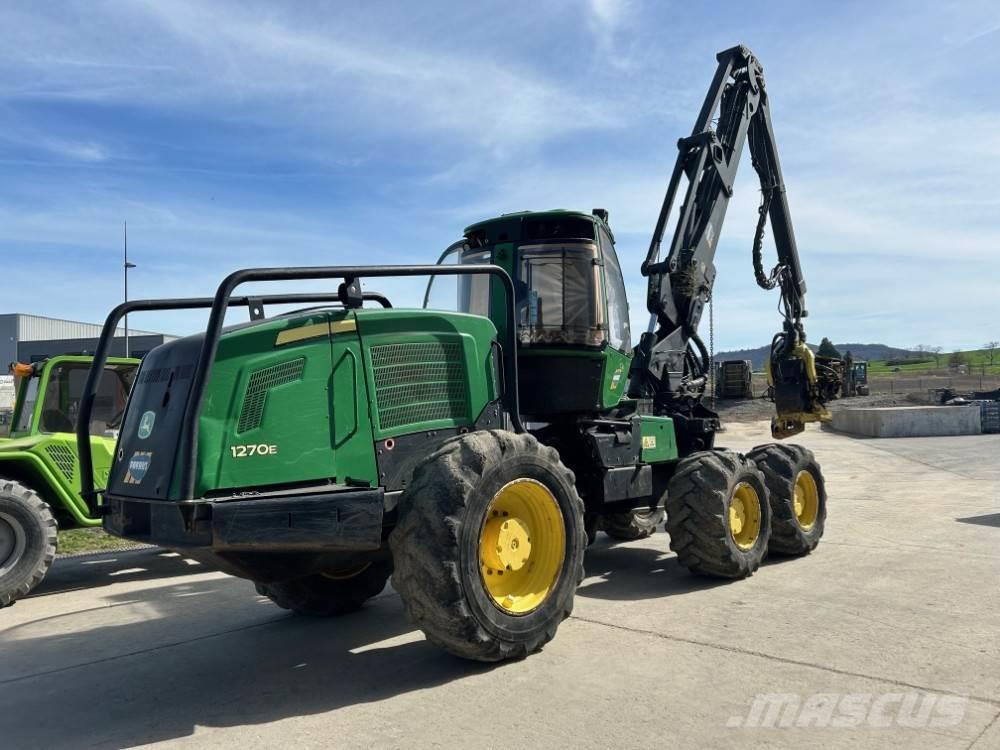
(635, 524)
(483, 505)
(798, 496)
(718, 515)
(28, 540)
(329, 594)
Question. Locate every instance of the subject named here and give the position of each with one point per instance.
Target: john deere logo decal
(138, 465)
(146, 425)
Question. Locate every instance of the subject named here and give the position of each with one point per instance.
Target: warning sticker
(138, 465)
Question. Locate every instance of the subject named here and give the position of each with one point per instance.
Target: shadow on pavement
(182, 665)
(990, 519)
(105, 568)
(628, 572)
(154, 664)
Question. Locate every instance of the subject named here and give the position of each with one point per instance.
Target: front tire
(28, 540)
(489, 545)
(718, 515)
(798, 496)
(330, 594)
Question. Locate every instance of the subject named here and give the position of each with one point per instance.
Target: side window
(474, 291)
(620, 337)
(28, 406)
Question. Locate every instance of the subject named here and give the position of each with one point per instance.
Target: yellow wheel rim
(744, 516)
(521, 546)
(806, 500)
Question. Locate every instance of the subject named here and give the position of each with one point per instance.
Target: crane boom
(671, 364)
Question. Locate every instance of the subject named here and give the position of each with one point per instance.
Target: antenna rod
(125, 266)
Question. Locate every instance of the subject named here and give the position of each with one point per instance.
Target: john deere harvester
(468, 454)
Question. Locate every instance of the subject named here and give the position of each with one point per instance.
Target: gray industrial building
(30, 338)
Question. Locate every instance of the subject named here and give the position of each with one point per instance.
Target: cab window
(27, 406)
(557, 291)
(474, 290)
(619, 333)
(61, 402)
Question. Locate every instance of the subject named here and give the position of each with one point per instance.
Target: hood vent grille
(262, 381)
(420, 382)
(64, 458)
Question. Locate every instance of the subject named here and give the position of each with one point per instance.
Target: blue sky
(242, 134)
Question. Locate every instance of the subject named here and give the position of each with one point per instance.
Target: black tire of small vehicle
(698, 498)
(322, 596)
(435, 545)
(635, 524)
(781, 464)
(39, 526)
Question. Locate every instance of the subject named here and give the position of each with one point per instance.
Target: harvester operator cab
(573, 336)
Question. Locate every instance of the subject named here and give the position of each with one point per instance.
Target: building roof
(42, 328)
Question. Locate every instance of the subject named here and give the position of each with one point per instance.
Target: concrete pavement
(901, 601)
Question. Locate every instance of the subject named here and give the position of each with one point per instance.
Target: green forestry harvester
(39, 471)
(471, 454)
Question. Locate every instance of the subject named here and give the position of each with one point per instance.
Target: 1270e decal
(258, 449)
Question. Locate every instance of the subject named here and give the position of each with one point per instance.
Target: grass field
(976, 361)
(77, 541)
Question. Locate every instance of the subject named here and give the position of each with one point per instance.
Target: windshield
(558, 295)
(61, 402)
(557, 292)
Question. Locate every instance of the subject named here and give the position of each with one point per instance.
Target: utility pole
(126, 266)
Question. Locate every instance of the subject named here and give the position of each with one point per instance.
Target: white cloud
(254, 63)
(606, 19)
(83, 151)
(608, 13)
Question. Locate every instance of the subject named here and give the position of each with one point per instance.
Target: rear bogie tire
(718, 515)
(28, 540)
(442, 541)
(798, 496)
(330, 594)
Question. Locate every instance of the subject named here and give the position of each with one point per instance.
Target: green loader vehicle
(39, 470)
(472, 455)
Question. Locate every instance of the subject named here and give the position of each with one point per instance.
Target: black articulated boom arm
(671, 364)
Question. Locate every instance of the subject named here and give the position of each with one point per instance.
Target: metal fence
(921, 385)
(896, 384)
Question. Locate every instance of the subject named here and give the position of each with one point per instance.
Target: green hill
(858, 351)
(882, 359)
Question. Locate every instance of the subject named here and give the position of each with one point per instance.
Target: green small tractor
(39, 470)
(472, 455)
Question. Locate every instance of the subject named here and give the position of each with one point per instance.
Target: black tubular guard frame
(255, 304)
(223, 299)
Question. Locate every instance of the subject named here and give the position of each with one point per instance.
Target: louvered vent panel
(262, 381)
(64, 458)
(419, 383)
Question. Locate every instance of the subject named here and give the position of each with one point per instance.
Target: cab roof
(526, 226)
